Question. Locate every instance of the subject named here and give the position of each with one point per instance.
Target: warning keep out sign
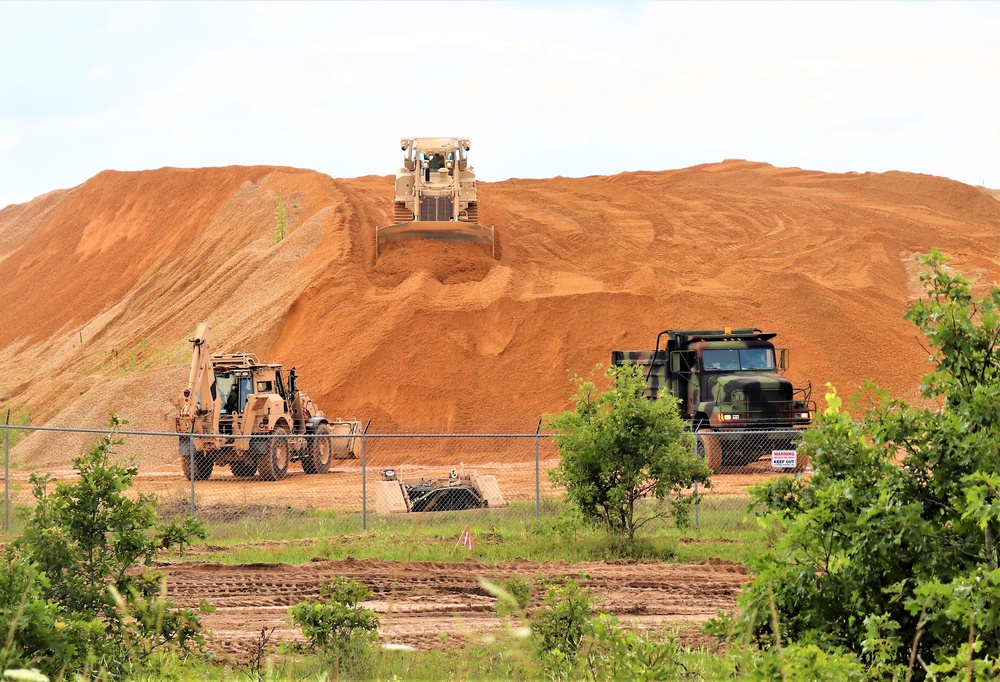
(783, 459)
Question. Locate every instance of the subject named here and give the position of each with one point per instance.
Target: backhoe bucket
(446, 230)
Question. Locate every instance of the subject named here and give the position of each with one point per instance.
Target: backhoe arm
(200, 397)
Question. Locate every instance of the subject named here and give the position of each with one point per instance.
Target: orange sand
(103, 283)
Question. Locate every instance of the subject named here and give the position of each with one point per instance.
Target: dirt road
(342, 487)
(418, 602)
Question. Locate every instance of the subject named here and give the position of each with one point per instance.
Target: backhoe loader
(238, 411)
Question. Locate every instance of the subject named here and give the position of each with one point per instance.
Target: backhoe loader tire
(203, 465)
(319, 453)
(710, 449)
(273, 462)
(243, 469)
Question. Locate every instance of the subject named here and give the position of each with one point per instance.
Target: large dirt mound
(103, 283)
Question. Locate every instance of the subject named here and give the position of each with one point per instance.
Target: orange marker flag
(465, 539)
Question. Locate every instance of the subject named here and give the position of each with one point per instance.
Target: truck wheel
(710, 449)
(203, 465)
(319, 452)
(273, 463)
(243, 469)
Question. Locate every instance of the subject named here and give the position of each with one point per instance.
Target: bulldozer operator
(435, 162)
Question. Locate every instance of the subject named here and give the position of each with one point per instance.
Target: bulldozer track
(401, 214)
(417, 600)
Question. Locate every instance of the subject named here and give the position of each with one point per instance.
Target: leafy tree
(890, 549)
(82, 566)
(617, 450)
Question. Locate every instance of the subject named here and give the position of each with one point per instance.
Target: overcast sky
(542, 89)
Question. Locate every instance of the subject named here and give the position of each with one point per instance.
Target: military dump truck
(435, 195)
(397, 495)
(232, 400)
(729, 387)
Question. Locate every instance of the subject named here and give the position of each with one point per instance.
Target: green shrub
(517, 594)
(613, 652)
(80, 595)
(891, 550)
(37, 630)
(337, 626)
(560, 624)
(806, 663)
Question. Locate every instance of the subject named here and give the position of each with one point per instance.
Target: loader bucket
(446, 230)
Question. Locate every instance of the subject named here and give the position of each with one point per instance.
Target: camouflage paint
(726, 399)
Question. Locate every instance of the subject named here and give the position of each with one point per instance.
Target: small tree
(619, 450)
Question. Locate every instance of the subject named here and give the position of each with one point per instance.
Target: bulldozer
(395, 494)
(240, 412)
(435, 195)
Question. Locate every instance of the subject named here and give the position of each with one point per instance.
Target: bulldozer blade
(447, 230)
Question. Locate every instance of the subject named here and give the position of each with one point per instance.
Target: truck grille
(436, 208)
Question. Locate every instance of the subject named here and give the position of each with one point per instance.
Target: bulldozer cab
(435, 154)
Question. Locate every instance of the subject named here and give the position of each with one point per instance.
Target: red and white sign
(783, 459)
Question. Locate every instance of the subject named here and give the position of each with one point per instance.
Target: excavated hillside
(103, 283)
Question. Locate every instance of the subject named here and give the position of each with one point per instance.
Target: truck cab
(736, 383)
(724, 379)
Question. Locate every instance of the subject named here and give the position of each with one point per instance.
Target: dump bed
(655, 367)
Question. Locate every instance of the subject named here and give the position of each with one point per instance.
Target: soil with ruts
(425, 604)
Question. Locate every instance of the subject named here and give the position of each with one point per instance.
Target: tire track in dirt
(417, 602)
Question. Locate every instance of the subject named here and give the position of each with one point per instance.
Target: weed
(280, 222)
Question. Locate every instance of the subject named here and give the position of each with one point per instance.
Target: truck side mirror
(675, 362)
(783, 360)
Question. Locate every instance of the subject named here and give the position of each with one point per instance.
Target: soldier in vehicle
(436, 162)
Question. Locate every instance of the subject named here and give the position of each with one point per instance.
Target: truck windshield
(736, 359)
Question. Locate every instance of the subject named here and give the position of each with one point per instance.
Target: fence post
(696, 503)
(364, 481)
(6, 474)
(538, 476)
(191, 455)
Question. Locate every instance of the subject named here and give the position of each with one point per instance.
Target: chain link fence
(390, 474)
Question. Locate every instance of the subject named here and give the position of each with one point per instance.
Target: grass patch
(270, 534)
(487, 658)
(14, 416)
